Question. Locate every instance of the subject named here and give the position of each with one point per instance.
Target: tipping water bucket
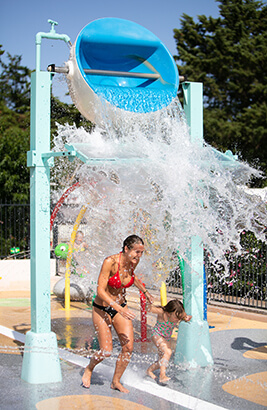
(121, 65)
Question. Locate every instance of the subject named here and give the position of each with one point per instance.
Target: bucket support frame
(41, 360)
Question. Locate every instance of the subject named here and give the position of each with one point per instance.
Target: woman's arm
(141, 287)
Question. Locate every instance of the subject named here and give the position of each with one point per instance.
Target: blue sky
(21, 19)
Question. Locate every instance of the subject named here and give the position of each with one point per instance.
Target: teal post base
(40, 360)
(193, 344)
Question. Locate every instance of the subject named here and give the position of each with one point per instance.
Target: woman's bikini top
(115, 280)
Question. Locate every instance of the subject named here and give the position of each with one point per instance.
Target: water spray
(187, 185)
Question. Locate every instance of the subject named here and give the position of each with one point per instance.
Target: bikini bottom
(108, 309)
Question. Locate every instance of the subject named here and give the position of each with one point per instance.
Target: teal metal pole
(193, 108)
(40, 360)
(193, 345)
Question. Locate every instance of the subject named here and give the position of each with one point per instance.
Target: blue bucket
(122, 64)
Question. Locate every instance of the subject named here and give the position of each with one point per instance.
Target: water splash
(166, 189)
(132, 101)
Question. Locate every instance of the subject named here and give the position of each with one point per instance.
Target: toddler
(168, 317)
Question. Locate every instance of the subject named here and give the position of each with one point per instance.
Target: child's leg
(154, 366)
(163, 367)
(165, 353)
(151, 369)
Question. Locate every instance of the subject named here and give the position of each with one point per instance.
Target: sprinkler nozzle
(53, 69)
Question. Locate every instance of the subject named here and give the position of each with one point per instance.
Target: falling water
(162, 187)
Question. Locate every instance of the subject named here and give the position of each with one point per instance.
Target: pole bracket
(31, 158)
(71, 155)
(47, 158)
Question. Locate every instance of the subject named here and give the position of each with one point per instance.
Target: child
(79, 246)
(79, 243)
(168, 318)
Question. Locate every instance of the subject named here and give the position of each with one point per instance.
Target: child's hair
(174, 306)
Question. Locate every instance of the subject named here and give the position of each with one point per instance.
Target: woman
(110, 308)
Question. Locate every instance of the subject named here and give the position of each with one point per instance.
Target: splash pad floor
(238, 379)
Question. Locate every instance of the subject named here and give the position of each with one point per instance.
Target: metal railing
(14, 230)
(242, 281)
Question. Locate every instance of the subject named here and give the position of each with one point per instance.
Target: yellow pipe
(163, 294)
(69, 255)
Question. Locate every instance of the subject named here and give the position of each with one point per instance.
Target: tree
(15, 127)
(229, 55)
(14, 144)
(63, 113)
(15, 84)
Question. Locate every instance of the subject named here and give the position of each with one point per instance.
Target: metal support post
(40, 361)
(193, 344)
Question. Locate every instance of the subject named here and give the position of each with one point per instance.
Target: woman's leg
(102, 324)
(124, 329)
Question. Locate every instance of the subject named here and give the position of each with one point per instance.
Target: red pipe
(143, 317)
(60, 202)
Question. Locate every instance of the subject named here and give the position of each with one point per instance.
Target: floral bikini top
(115, 280)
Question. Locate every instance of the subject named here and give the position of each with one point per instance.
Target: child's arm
(154, 309)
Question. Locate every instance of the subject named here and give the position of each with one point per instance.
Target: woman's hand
(148, 306)
(141, 287)
(149, 297)
(127, 313)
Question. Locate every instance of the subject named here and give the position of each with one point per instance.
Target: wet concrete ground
(237, 380)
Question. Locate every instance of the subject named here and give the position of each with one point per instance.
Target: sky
(21, 20)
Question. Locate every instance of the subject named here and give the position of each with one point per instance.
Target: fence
(14, 230)
(242, 282)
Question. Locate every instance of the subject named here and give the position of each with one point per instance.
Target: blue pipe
(205, 308)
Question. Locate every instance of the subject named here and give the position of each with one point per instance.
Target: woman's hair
(174, 306)
(130, 241)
